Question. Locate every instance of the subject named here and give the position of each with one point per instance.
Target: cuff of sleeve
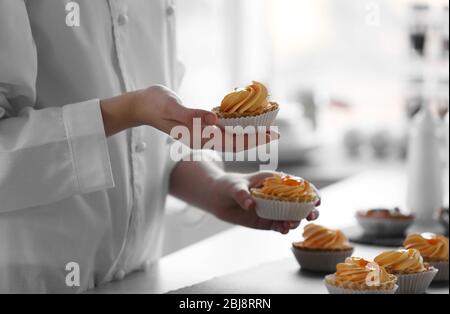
(88, 146)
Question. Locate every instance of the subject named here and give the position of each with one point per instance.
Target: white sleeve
(50, 154)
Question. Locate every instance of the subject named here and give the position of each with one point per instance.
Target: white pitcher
(425, 171)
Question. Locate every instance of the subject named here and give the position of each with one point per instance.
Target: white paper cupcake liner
(265, 120)
(415, 283)
(338, 290)
(283, 210)
(320, 261)
(442, 267)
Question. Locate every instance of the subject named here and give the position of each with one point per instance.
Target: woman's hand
(231, 201)
(159, 107)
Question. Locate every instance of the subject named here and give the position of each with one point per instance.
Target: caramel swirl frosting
(402, 261)
(286, 188)
(318, 237)
(432, 247)
(249, 101)
(359, 273)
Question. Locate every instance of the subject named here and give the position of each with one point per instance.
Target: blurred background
(349, 75)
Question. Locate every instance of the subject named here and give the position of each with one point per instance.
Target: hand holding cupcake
(359, 276)
(434, 250)
(321, 248)
(247, 106)
(285, 198)
(414, 276)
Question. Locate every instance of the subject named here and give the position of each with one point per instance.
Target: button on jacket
(68, 194)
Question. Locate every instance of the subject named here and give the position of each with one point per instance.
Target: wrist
(134, 104)
(214, 180)
(144, 107)
(118, 113)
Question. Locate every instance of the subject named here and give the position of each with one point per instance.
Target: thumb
(206, 117)
(257, 179)
(242, 196)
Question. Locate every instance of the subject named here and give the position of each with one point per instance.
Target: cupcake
(321, 249)
(384, 222)
(414, 276)
(434, 250)
(359, 276)
(247, 107)
(285, 198)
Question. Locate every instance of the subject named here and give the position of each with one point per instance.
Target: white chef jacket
(68, 194)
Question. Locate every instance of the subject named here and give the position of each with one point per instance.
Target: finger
(313, 215)
(275, 226)
(257, 179)
(287, 225)
(254, 140)
(290, 224)
(271, 135)
(241, 195)
(180, 113)
(212, 138)
(232, 142)
(246, 218)
(280, 227)
(201, 124)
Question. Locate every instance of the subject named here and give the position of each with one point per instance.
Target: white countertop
(240, 248)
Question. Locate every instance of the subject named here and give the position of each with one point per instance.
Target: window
(354, 51)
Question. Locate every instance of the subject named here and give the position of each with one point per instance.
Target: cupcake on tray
(414, 276)
(247, 106)
(384, 222)
(321, 249)
(285, 198)
(359, 276)
(434, 250)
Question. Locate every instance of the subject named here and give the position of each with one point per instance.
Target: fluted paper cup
(320, 261)
(264, 120)
(283, 210)
(332, 289)
(442, 267)
(415, 283)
